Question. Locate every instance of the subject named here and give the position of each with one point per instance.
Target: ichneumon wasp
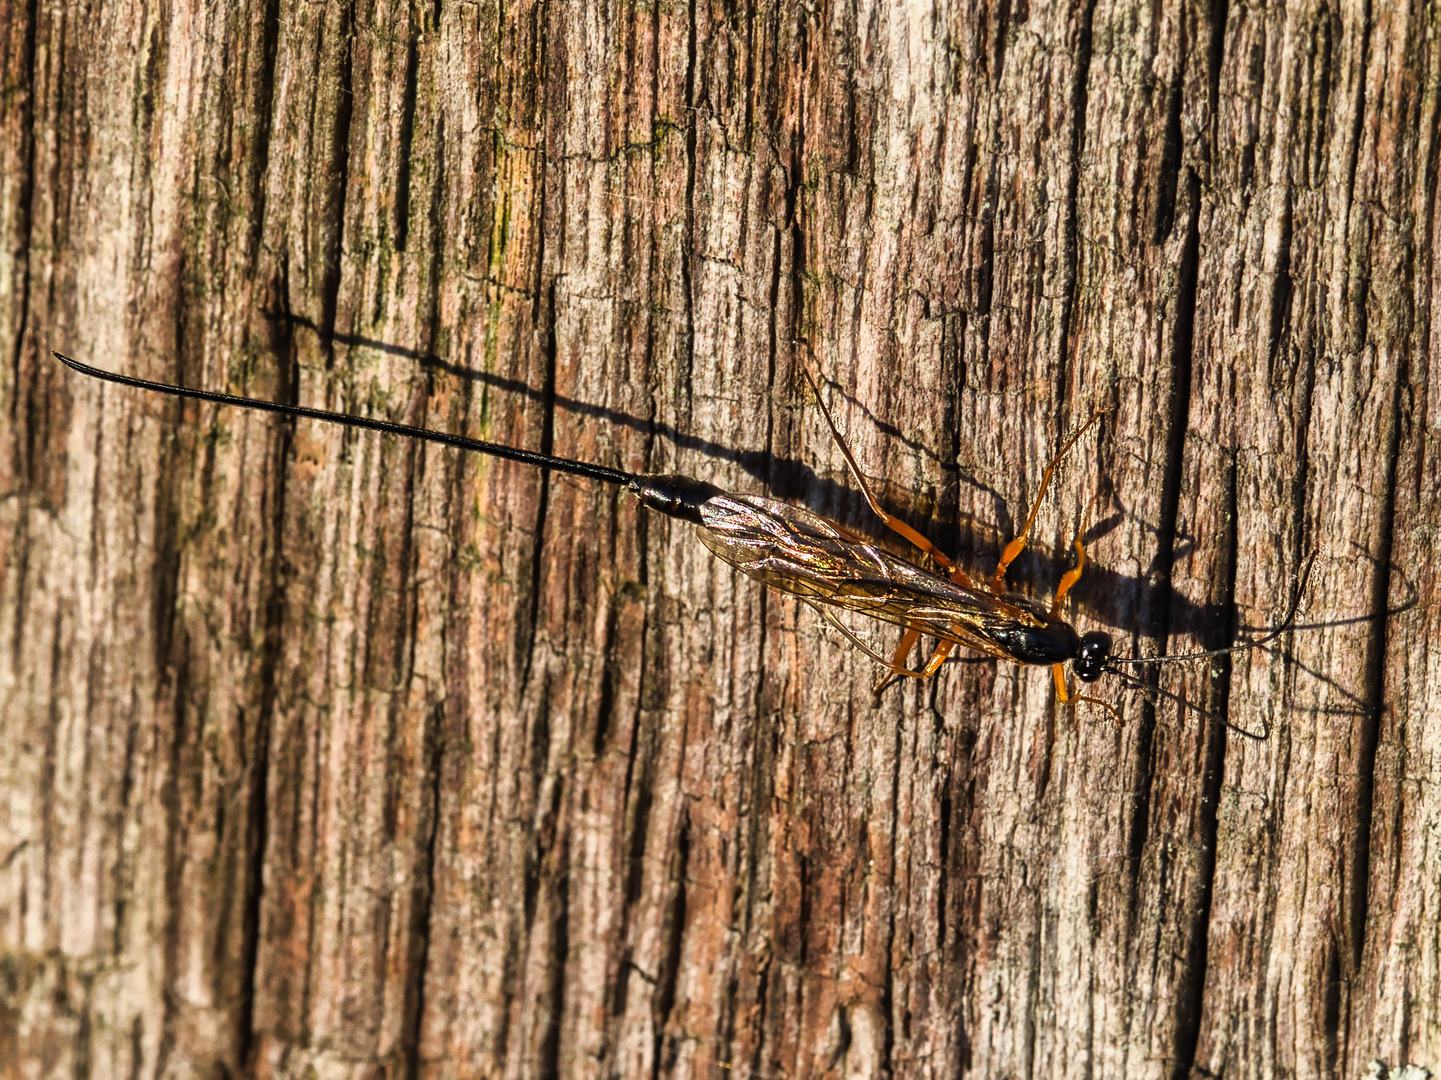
(797, 551)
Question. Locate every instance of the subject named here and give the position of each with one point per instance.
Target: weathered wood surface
(325, 755)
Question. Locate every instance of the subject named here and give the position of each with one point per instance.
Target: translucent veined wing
(796, 551)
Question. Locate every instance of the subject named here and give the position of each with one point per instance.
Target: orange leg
(891, 522)
(933, 665)
(903, 651)
(1018, 545)
(1087, 699)
(1059, 673)
(898, 665)
(1069, 578)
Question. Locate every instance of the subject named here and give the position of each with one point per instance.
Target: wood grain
(326, 755)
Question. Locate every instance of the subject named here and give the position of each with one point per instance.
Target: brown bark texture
(328, 754)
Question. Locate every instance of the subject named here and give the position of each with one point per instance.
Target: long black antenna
(528, 457)
(1275, 632)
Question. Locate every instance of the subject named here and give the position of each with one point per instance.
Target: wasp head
(1091, 657)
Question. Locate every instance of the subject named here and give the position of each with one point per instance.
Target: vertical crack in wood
(543, 819)
(1357, 882)
(264, 104)
(888, 987)
(760, 797)
(1215, 60)
(1032, 1031)
(985, 286)
(1177, 420)
(794, 173)
(638, 802)
(1331, 992)
(171, 798)
(1322, 75)
(175, 442)
(423, 898)
(543, 319)
(437, 240)
(1170, 165)
(725, 1040)
(175, 448)
(1281, 285)
(22, 543)
(337, 188)
(636, 798)
(401, 662)
(665, 993)
(1358, 120)
(415, 941)
(24, 221)
(257, 832)
(1071, 255)
(688, 257)
(123, 880)
(761, 794)
(657, 94)
(437, 736)
(605, 706)
(49, 766)
(407, 132)
(796, 315)
(1190, 996)
(553, 1019)
(82, 1063)
(137, 1048)
(763, 985)
(526, 635)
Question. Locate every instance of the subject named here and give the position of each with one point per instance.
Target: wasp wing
(802, 553)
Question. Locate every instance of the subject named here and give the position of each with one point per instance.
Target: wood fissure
(1070, 269)
(1191, 999)
(334, 182)
(25, 163)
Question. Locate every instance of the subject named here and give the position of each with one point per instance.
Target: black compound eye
(1090, 662)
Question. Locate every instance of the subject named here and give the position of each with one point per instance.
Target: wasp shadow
(1116, 601)
(756, 463)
